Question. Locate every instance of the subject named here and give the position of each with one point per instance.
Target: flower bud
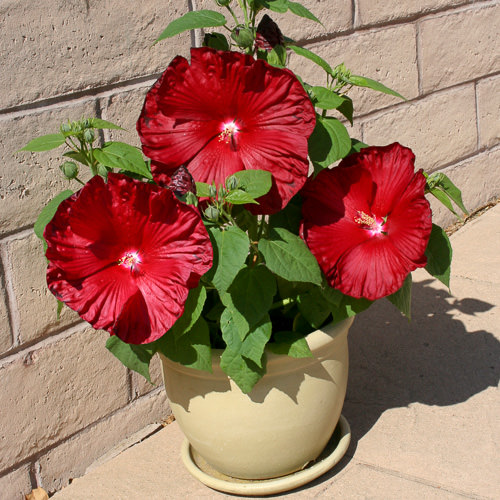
(212, 191)
(89, 135)
(211, 213)
(66, 129)
(223, 3)
(69, 169)
(244, 37)
(231, 183)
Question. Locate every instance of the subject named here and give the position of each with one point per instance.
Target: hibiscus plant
(239, 231)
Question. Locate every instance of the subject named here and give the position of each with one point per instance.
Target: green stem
(234, 16)
(78, 180)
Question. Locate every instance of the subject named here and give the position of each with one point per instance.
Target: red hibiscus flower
(124, 254)
(228, 112)
(367, 221)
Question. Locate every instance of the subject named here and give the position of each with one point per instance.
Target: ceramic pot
(282, 425)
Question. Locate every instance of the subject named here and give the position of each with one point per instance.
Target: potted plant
(240, 249)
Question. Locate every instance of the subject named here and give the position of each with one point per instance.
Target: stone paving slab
(423, 400)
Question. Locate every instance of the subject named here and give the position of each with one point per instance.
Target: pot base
(330, 456)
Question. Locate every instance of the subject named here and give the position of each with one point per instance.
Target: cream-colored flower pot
(282, 425)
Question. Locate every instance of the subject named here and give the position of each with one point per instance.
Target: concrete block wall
(64, 400)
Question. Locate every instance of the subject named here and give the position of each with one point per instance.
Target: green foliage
(402, 298)
(216, 41)
(192, 20)
(441, 187)
(439, 254)
(123, 156)
(45, 143)
(134, 357)
(361, 81)
(291, 344)
(299, 10)
(301, 51)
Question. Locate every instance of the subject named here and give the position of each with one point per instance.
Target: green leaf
(361, 81)
(243, 371)
(402, 298)
(348, 307)
(256, 183)
(280, 6)
(45, 143)
(101, 124)
(123, 156)
(191, 349)
(192, 311)
(445, 184)
(135, 357)
(239, 197)
(300, 10)
(326, 98)
(443, 198)
(439, 254)
(314, 307)
(301, 51)
(193, 20)
(202, 189)
(292, 344)
(250, 296)
(215, 41)
(328, 143)
(48, 212)
(357, 146)
(277, 56)
(77, 156)
(288, 256)
(231, 247)
(290, 217)
(347, 108)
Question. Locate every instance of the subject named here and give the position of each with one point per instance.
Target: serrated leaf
(134, 357)
(288, 256)
(231, 247)
(123, 156)
(328, 143)
(292, 344)
(193, 20)
(256, 183)
(439, 254)
(191, 349)
(299, 10)
(301, 51)
(250, 296)
(104, 124)
(48, 212)
(402, 298)
(45, 143)
(361, 81)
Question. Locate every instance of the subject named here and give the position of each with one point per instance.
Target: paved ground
(423, 400)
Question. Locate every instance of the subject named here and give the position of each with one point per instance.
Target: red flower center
(130, 260)
(228, 134)
(373, 224)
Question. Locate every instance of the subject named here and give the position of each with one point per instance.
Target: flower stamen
(375, 225)
(228, 134)
(130, 260)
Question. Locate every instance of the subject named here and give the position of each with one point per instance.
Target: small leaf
(361, 81)
(402, 298)
(439, 254)
(215, 41)
(357, 146)
(328, 143)
(45, 143)
(280, 6)
(326, 98)
(231, 247)
(451, 190)
(48, 212)
(123, 156)
(277, 56)
(101, 124)
(191, 349)
(443, 198)
(299, 10)
(301, 51)
(135, 357)
(239, 197)
(77, 156)
(292, 344)
(347, 108)
(202, 190)
(288, 256)
(256, 183)
(193, 20)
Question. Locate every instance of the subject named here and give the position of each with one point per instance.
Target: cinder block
(478, 180)
(16, 484)
(387, 55)
(30, 180)
(55, 390)
(124, 108)
(36, 306)
(336, 15)
(72, 46)
(379, 11)
(460, 47)
(440, 129)
(5, 329)
(488, 102)
(67, 461)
